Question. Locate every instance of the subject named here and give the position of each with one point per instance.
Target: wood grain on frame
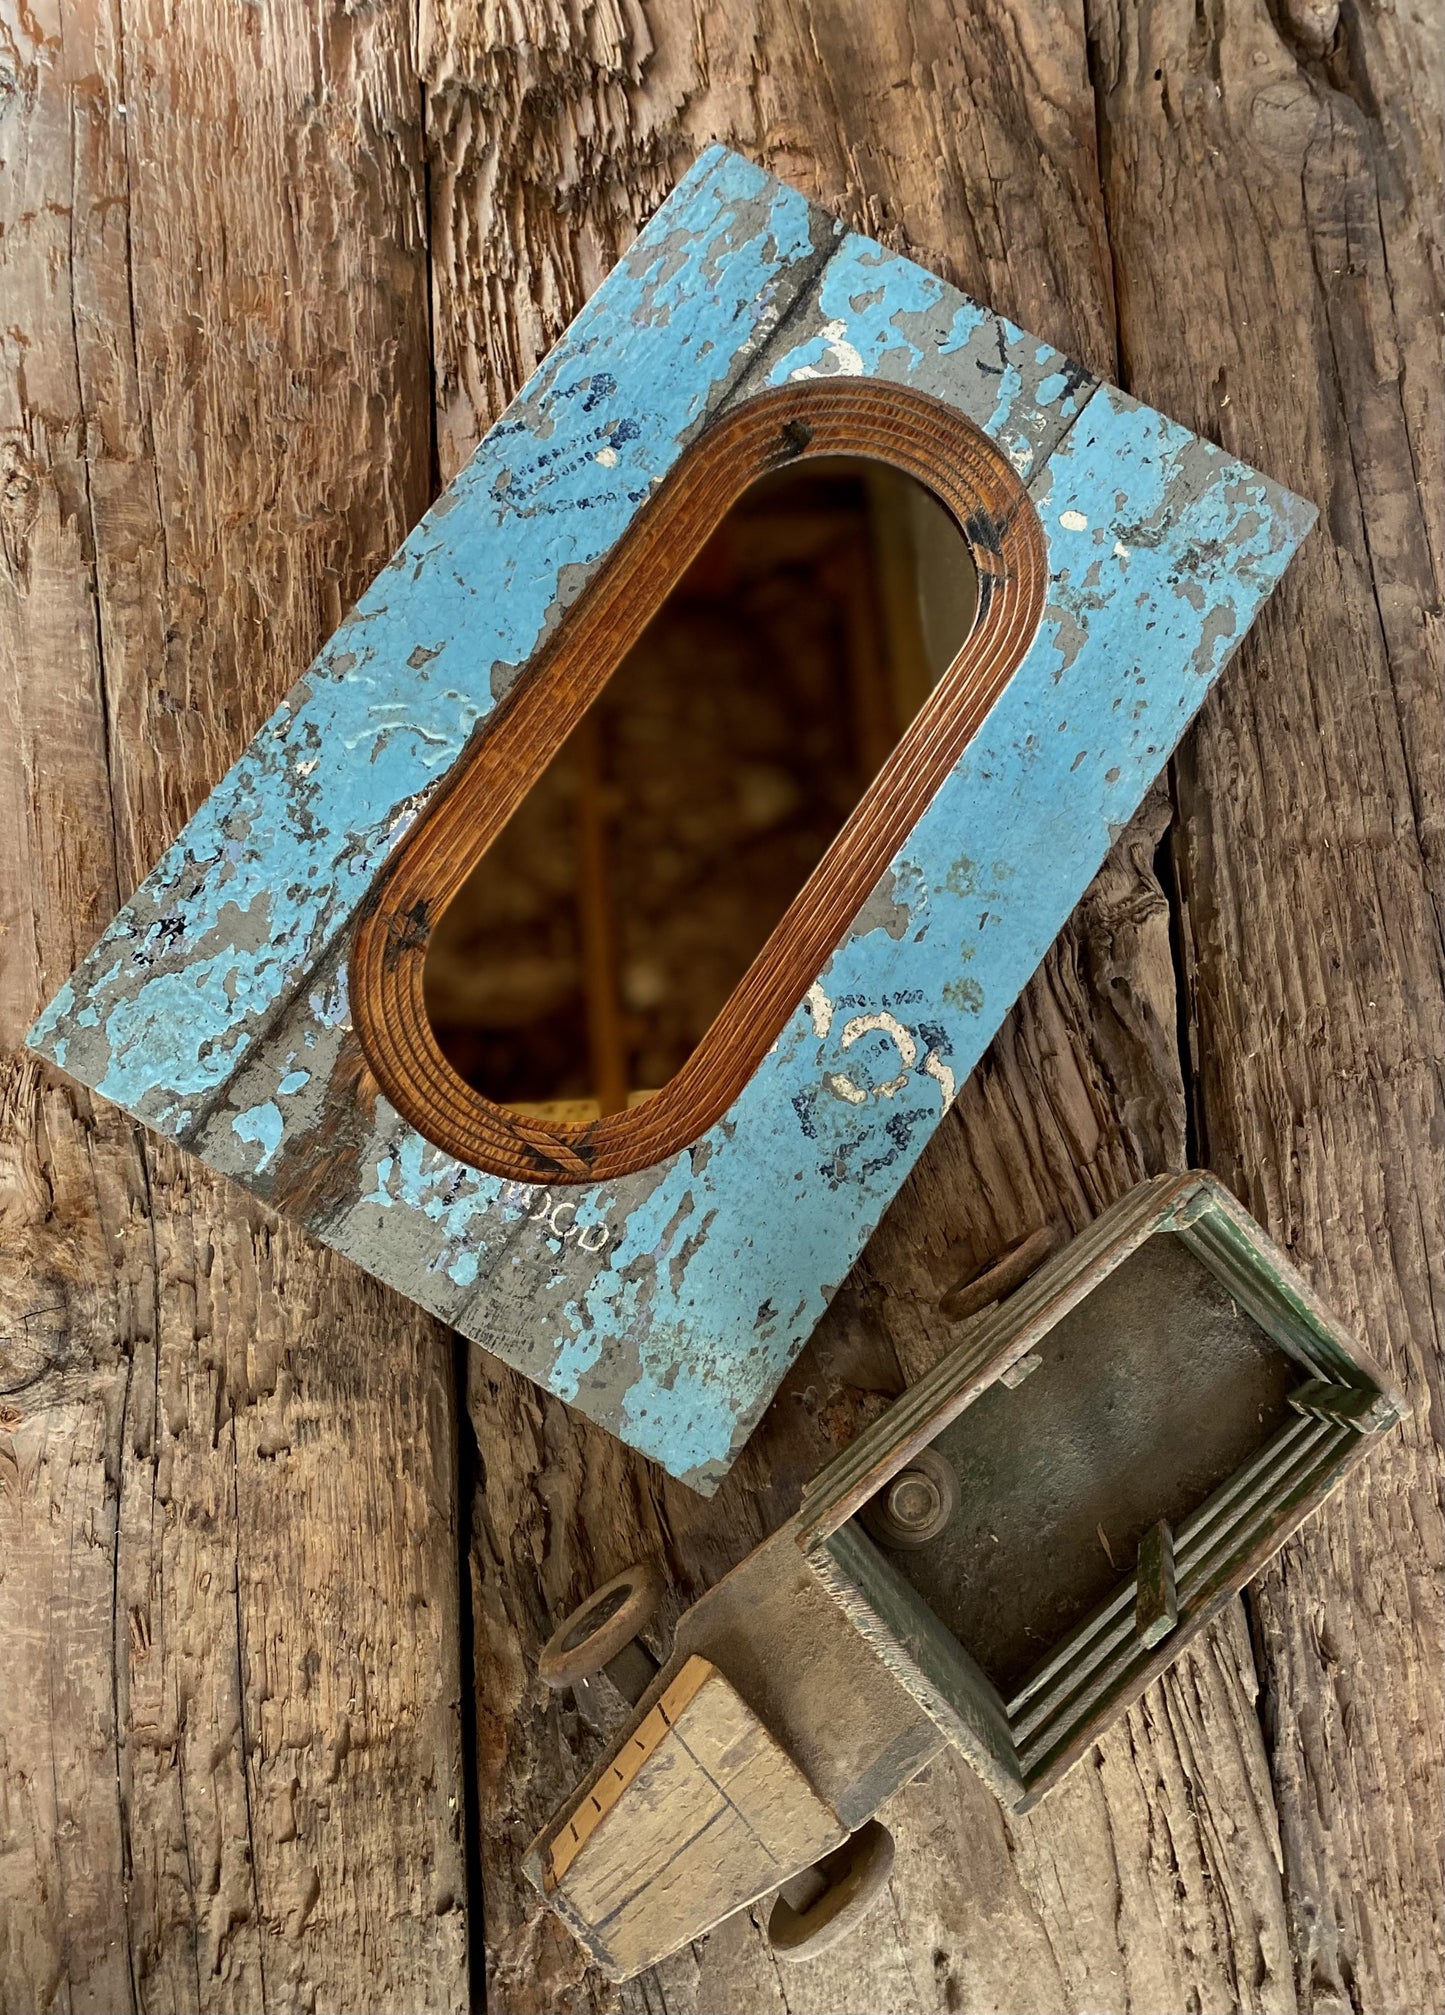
(879, 421)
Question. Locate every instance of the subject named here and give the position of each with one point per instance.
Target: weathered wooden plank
(229, 1770)
(965, 137)
(702, 1812)
(74, 1291)
(1272, 178)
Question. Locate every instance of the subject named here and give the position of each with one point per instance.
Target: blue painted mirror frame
(667, 1304)
(789, 424)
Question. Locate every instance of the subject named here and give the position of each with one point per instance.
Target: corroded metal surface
(668, 1304)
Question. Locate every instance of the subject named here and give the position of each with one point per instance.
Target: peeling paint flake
(820, 1008)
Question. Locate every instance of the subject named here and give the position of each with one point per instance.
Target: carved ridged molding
(858, 417)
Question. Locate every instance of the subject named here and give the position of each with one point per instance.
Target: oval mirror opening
(583, 960)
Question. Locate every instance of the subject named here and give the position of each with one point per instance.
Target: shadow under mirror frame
(975, 483)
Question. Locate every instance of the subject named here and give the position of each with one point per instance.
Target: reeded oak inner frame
(859, 417)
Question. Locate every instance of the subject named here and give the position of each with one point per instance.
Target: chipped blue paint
(264, 1125)
(278, 858)
(877, 315)
(866, 298)
(669, 1304)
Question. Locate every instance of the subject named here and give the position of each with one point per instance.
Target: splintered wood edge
(561, 1842)
(881, 422)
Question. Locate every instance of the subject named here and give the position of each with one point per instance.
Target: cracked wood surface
(229, 1712)
(230, 1770)
(1308, 854)
(1225, 1849)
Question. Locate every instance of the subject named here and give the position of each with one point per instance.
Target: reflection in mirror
(583, 960)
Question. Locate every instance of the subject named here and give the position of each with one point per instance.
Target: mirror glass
(583, 960)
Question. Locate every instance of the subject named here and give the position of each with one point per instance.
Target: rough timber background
(269, 270)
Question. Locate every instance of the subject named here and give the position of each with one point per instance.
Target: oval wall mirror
(584, 948)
